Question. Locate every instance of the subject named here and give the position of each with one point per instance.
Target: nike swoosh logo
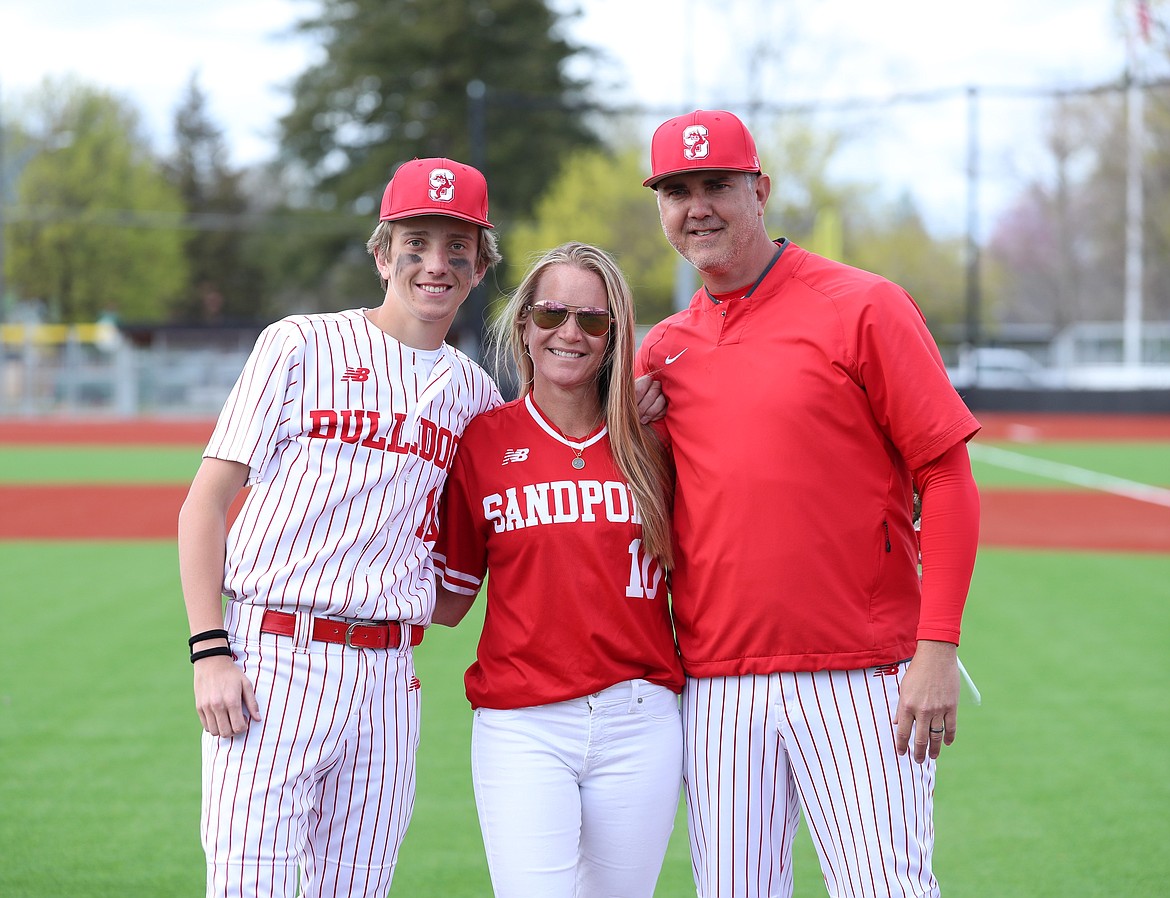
(671, 359)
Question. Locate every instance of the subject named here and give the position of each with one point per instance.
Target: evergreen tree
(223, 285)
(394, 85)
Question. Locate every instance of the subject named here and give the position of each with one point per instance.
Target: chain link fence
(96, 371)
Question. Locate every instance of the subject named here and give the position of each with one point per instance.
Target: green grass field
(98, 464)
(1145, 462)
(1059, 783)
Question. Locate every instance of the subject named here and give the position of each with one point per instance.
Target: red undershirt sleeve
(949, 537)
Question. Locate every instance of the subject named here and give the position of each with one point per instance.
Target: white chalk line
(1054, 470)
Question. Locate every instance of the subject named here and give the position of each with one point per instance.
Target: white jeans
(578, 798)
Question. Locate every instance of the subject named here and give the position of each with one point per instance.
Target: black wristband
(206, 634)
(208, 653)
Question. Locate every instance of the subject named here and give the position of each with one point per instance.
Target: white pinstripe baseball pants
(324, 782)
(578, 798)
(760, 748)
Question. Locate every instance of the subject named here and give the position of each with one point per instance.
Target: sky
(671, 55)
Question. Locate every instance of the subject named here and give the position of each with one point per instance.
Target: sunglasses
(551, 315)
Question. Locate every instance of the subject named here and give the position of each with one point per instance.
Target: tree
(1060, 250)
(896, 244)
(1061, 246)
(797, 157)
(95, 229)
(851, 222)
(1156, 304)
(394, 86)
(223, 284)
(598, 198)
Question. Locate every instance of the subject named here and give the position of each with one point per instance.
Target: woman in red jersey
(563, 497)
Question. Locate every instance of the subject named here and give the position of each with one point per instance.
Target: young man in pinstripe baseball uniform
(344, 426)
(806, 399)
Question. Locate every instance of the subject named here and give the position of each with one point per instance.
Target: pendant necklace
(579, 448)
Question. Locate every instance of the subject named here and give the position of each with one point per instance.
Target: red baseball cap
(436, 187)
(701, 140)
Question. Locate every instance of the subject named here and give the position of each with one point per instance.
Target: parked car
(1000, 367)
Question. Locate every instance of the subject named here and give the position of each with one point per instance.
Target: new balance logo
(886, 670)
(361, 375)
(414, 685)
(671, 359)
(512, 455)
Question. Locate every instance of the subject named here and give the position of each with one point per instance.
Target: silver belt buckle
(349, 634)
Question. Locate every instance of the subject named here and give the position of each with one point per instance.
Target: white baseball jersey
(349, 434)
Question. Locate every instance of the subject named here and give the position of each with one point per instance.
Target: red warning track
(91, 511)
(88, 511)
(1034, 427)
(1051, 519)
(132, 431)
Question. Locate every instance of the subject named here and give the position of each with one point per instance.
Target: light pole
(3, 196)
(477, 100)
(1131, 342)
(974, 334)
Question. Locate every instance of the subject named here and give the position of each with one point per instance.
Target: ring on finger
(936, 732)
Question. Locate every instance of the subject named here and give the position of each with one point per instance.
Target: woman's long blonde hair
(637, 451)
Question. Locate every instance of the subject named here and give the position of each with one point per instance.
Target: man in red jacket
(806, 402)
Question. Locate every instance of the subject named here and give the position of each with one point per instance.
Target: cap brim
(419, 211)
(654, 179)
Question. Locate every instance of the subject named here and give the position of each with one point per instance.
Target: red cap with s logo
(436, 187)
(699, 141)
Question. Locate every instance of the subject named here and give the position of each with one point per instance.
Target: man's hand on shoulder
(651, 401)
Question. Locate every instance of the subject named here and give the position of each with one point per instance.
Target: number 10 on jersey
(645, 573)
